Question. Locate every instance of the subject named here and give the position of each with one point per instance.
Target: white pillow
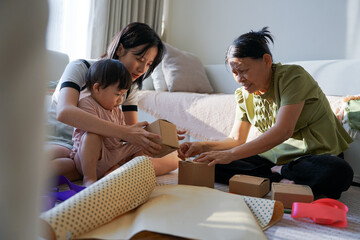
(184, 72)
(148, 84)
(159, 79)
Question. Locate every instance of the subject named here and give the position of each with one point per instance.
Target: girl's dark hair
(107, 72)
(251, 44)
(133, 35)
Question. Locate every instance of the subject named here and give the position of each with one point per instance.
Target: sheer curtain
(353, 29)
(108, 17)
(67, 29)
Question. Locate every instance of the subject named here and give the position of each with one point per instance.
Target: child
(95, 155)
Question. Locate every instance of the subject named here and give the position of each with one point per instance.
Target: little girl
(95, 155)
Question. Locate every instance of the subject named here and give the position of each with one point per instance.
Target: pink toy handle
(324, 211)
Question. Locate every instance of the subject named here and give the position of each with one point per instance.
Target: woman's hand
(189, 149)
(138, 136)
(179, 132)
(216, 157)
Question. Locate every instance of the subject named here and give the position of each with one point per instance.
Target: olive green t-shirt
(317, 130)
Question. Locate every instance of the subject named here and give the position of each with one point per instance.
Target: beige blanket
(203, 116)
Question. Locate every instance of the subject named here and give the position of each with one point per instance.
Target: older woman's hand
(216, 157)
(190, 149)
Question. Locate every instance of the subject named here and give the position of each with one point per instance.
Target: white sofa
(210, 116)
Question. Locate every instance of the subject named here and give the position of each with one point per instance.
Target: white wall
(303, 29)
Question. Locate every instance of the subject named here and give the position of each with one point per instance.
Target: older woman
(302, 141)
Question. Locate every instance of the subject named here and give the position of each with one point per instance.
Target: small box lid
(249, 179)
(292, 188)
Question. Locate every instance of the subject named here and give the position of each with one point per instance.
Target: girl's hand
(179, 132)
(189, 149)
(138, 136)
(216, 157)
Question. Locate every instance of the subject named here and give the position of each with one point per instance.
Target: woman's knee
(339, 168)
(339, 176)
(53, 151)
(345, 173)
(165, 164)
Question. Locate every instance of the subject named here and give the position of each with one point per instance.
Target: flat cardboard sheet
(186, 211)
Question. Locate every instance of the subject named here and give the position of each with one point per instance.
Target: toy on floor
(49, 199)
(325, 211)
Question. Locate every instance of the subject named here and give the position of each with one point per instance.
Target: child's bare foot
(276, 169)
(284, 180)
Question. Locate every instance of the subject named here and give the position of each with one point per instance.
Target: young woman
(140, 49)
(302, 141)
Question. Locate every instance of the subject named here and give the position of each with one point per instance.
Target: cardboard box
(249, 185)
(289, 193)
(196, 174)
(169, 140)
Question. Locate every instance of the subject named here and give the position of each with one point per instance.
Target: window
(67, 29)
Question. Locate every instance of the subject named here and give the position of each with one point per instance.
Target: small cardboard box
(169, 140)
(196, 174)
(289, 193)
(249, 185)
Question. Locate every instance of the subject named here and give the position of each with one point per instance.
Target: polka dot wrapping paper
(119, 192)
(262, 209)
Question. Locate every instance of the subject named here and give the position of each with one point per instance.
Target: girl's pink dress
(114, 151)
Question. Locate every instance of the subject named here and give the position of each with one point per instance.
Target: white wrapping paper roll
(119, 192)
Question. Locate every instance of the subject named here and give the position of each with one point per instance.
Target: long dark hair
(133, 35)
(251, 44)
(107, 72)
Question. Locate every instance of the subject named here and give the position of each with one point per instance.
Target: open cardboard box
(196, 174)
(289, 193)
(249, 185)
(169, 140)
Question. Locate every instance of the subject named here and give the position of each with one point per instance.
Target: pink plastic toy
(325, 211)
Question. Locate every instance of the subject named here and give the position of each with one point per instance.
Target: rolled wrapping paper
(119, 192)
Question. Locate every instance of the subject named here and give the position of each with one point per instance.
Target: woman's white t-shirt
(74, 77)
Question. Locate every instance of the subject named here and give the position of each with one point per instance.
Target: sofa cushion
(159, 78)
(184, 72)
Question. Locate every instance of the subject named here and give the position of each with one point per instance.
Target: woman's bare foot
(276, 169)
(284, 180)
